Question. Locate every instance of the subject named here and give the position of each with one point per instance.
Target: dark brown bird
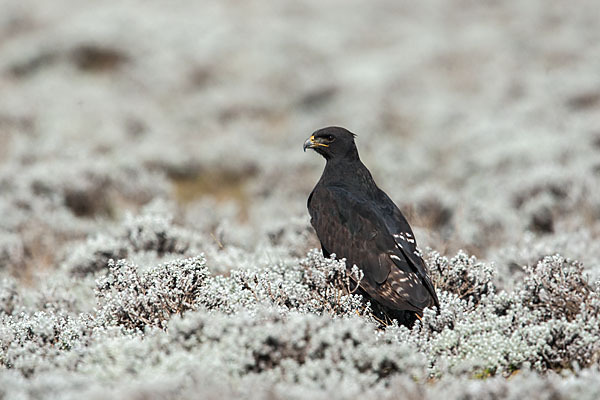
(357, 221)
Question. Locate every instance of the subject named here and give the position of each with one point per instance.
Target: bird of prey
(357, 221)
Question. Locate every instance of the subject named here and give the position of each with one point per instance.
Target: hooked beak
(312, 143)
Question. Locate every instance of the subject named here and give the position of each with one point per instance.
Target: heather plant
(150, 235)
(462, 275)
(559, 288)
(316, 285)
(137, 300)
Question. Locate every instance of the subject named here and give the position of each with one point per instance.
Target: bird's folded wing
(405, 240)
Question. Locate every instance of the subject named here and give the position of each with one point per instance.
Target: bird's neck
(344, 171)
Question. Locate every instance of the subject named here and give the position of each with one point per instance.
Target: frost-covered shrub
(462, 275)
(94, 254)
(155, 232)
(137, 300)
(315, 285)
(559, 288)
(150, 235)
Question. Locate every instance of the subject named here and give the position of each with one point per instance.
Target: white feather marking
(399, 236)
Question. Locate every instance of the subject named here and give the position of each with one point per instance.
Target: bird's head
(333, 142)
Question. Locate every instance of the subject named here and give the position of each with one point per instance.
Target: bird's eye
(330, 138)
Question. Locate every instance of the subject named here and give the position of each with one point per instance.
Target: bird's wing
(405, 240)
(354, 228)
